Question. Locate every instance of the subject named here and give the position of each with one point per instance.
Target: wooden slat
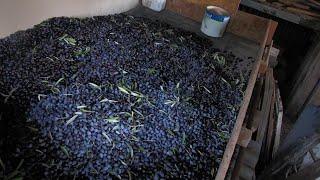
(195, 9)
(224, 165)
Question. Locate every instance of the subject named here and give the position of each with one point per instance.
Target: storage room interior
(159, 89)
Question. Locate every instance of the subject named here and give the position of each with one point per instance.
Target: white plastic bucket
(215, 21)
(156, 5)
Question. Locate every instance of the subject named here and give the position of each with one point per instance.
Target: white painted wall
(21, 14)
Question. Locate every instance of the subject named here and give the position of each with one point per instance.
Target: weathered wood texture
(195, 9)
(250, 26)
(305, 83)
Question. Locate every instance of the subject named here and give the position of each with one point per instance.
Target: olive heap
(115, 97)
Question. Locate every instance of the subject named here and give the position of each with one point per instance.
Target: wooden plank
(249, 26)
(195, 9)
(224, 165)
(266, 106)
(279, 109)
(270, 133)
(244, 137)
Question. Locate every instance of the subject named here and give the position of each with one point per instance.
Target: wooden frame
(244, 30)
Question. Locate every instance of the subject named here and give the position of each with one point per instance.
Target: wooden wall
(19, 15)
(194, 9)
(306, 90)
